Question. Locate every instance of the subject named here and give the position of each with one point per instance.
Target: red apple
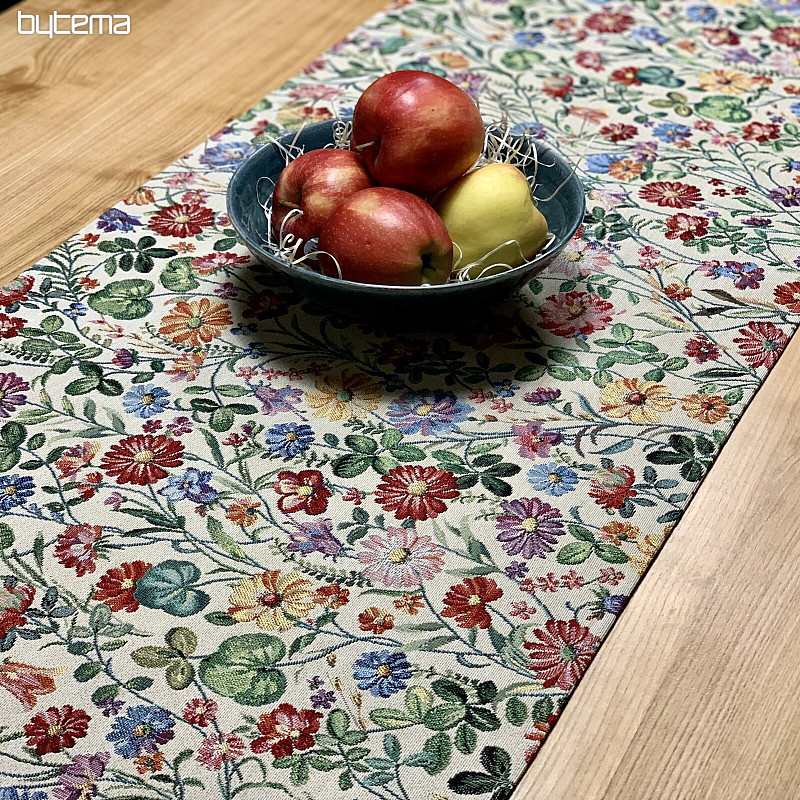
(316, 183)
(416, 131)
(388, 236)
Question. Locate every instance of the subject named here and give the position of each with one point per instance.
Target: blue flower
(529, 38)
(116, 220)
(646, 33)
(553, 479)
(782, 6)
(15, 490)
(13, 793)
(534, 129)
(430, 415)
(242, 328)
(289, 438)
(600, 162)
(142, 730)
(192, 485)
(506, 388)
(701, 13)
(145, 401)
(670, 131)
(614, 603)
(795, 109)
(226, 156)
(75, 310)
(382, 672)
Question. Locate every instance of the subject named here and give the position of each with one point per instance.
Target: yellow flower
(639, 401)
(626, 170)
(725, 81)
(619, 532)
(708, 408)
(343, 396)
(273, 600)
(648, 547)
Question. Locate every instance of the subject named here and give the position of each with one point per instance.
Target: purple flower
(529, 527)
(110, 707)
(534, 129)
(614, 603)
(533, 441)
(757, 222)
(323, 699)
(314, 537)
(78, 780)
(11, 392)
(123, 358)
(541, 396)
(470, 82)
(740, 55)
(114, 500)
(180, 425)
(516, 569)
(645, 151)
(316, 682)
(117, 220)
(226, 290)
(275, 401)
(786, 195)
(430, 416)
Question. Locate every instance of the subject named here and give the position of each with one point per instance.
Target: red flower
(26, 681)
(575, 312)
(686, 227)
(761, 131)
(788, 294)
(14, 602)
(16, 291)
(52, 730)
(676, 291)
(538, 735)
(215, 750)
(671, 194)
(607, 22)
(466, 601)
(787, 34)
(182, 220)
(718, 36)
(375, 620)
(627, 76)
(612, 487)
(200, 712)
(75, 547)
(332, 596)
(9, 326)
(761, 343)
(285, 730)
(618, 131)
(589, 60)
(266, 305)
(141, 459)
(416, 492)
(562, 653)
(701, 349)
(116, 587)
(557, 86)
(301, 491)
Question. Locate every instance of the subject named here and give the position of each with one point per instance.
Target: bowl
(364, 301)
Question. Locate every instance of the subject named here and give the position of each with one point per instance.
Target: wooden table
(694, 693)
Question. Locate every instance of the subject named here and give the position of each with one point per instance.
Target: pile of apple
(389, 210)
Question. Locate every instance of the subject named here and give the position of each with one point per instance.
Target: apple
(316, 183)
(387, 236)
(486, 208)
(416, 131)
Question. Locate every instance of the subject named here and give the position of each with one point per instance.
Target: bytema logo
(73, 24)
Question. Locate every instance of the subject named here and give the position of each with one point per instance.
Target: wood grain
(693, 694)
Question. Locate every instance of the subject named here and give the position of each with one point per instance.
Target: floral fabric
(254, 550)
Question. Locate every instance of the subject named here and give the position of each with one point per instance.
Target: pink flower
(216, 750)
(75, 547)
(401, 558)
(180, 179)
(572, 580)
(575, 312)
(519, 608)
(533, 441)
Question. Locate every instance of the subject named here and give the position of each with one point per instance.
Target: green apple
(485, 209)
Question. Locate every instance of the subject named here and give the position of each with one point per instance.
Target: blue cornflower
(142, 730)
(241, 328)
(671, 131)
(600, 162)
(289, 438)
(145, 401)
(647, 33)
(13, 793)
(795, 109)
(614, 603)
(226, 156)
(75, 310)
(15, 490)
(193, 485)
(506, 388)
(382, 672)
(116, 220)
(553, 479)
(535, 129)
(529, 38)
(428, 414)
(701, 13)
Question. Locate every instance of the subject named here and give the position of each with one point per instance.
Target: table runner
(254, 549)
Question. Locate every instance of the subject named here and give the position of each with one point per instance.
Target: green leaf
(391, 746)
(622, 333)
(361, 444)
(390, 718)
(466, 739)
(153, 657)
(521, 59)
(483, 719)
(178, 276)
(350, 465)
(85, 672)
(444, 716)
(516, 711)
(531, 372)
(104, 693)
(179, 674)
(338, 723)
(301, 642)
(221, 419)
(418, 701)
(182, 639)
(6, 536)
(139, 683)
(242, 668)
(408, 452)
(449, 692)
(542, 709)
(610, 553)
(168, 586)
(13, 434)
(496, 761)
(723, 108)
(658, 76)
(472, 783)
(220, 618)
(123, 299)
(440, 750)
(574, 553)
(225, 542)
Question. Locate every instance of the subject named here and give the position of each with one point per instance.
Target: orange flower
(149, 762)
(725, 81)
(626, 170)
(677, 292)
(332, 595)
(344, 395)
(375, 620)
(619, 532)
(141, 197)
(708, 408)
(25, 681)
(687, 44)
(244, 512)
(196, 321)
(187, 366)
(453, 60)
(410, 603)
(589, 114)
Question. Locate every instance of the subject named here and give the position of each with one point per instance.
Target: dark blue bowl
(563, 213)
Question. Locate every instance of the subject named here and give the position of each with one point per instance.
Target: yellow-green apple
(387, 236)
(416, 131)
(316, 183)
(486, 208)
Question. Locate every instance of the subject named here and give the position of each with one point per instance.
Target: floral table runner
(251, 549)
